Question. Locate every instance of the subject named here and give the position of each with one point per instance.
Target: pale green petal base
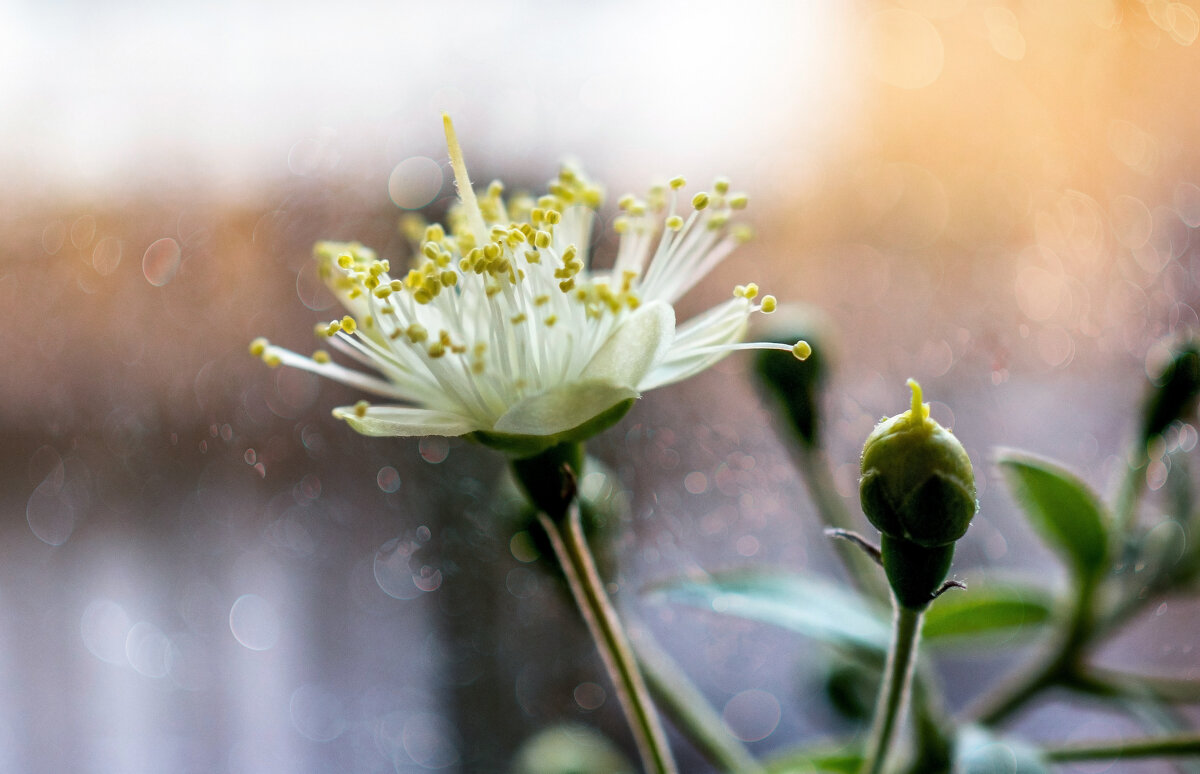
(525, 445)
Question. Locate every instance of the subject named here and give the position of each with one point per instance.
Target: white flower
(502, 332)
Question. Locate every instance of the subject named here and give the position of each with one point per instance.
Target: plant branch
(605, 627)
(687, 707)
(906, 631)
(1155, 747)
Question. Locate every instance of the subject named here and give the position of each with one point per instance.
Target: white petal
(692, 349)
(638, 345)
(405, 421)
(562, 408)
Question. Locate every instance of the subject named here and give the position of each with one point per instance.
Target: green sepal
(550, 479)
(915, 572)
(519, 446)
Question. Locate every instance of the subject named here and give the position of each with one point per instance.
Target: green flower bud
(917, 482)
(1175, 389)
(795, 384)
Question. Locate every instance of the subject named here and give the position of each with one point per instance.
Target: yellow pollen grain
(348, 324)
(259, 346)
(321, 356)
(769, 304)
(700, 200)
(677, 182)
(801, 350)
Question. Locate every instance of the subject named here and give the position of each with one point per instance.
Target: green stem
(605, 627)
(1160, 747)
(906, 630)
(1060, 665)
(687, 707)
(831, 508)
(1125, 507)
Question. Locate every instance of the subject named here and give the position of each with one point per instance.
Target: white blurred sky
(219, 95)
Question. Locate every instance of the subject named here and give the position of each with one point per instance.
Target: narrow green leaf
(1061, 507)
(811, 607)
(992, 614)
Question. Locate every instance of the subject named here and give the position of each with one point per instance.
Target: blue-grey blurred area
(202, 571)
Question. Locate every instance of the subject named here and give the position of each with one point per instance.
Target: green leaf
(1062, 508)
(805, 605)
(992, 615)
(817, 760)
(979, 752)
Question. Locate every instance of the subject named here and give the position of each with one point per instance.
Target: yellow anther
(751, 291)
(533, 256)
(801, 350)
(551, 320)
(739, 201)
(739, 291)
(567, 285)
(396, 285)
(721, 185)
(430, 250)
(272, 359)
(541, 239)
(621, 224)
(477, 367)
(769, 304)
(383, 291)
(553, 217)
(674, 223)
(348, 324)
(491, 290)
(259, 346)
(449, 279)
(677, 182)
(437, 349)
(416, 333)
(626, 201)
(345, 260)
(537, 214)
(434, 232)
(495, 188)
(717, 221)
(491, 251)
(371, 282)
(700, 200)
(360, 409)
(422, 296)
(742, 233)
(321, 356)
(518, 319)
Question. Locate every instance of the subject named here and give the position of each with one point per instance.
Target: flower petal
(638, 345)
(405, 421)
(562, 408)
(692, 349)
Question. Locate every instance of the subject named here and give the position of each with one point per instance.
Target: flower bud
(1175, 389)
(796, 385)
(917, 482)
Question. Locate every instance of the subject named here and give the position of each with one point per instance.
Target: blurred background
(201, 571)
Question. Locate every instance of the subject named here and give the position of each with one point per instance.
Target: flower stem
(687, 707)
(1160, 747)
(579, 567)
(906, 630)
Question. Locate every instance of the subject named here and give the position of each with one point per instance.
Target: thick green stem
(906, 630)
(1161, 747)
(579, 567)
